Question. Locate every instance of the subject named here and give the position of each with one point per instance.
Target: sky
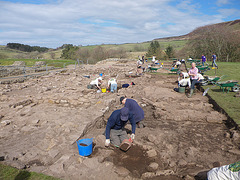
(52, 23)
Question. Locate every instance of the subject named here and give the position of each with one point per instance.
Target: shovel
(126, 144)
(205, 92)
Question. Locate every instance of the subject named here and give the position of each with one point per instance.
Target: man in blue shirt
(214, 58)
(203, 59)
(115, 132)
(134, 108)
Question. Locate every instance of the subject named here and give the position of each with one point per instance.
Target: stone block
(152, 167)
(164, 172)
(148, 175)
(152, 138)
(121, 171)
(152, 153)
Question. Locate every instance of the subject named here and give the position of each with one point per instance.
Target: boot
(191, 93)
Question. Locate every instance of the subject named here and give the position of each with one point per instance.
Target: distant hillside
(232, 25)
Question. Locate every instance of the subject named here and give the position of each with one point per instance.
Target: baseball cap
(124, 114)
(121, 99)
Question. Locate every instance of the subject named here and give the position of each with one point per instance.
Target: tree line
(91, 55)
(221, 40)
(26, 48)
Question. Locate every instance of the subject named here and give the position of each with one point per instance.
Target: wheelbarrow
(152, 69)
(197, 61)
(227, 85)
(175, 70)
(211, 80)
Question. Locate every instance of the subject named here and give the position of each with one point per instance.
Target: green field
(10, 173)
(227, 101)
(31, 62)
(137, 47)
(56, 54)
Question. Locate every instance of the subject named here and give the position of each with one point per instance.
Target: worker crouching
(115, 132)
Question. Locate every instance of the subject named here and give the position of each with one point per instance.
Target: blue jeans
(214, 63)
(202, 63)
(113, 87)
(193, 82)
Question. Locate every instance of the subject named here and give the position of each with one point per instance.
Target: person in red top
(193, 73)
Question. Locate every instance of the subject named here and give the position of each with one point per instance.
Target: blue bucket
(85, 147)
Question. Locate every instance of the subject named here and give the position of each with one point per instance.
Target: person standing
(193, 73)
(214, 58)
(139, 67)
(115, 132)
(143, 59)
(203, 59)
(134, 108)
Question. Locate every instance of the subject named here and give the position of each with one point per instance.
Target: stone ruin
(41, 119)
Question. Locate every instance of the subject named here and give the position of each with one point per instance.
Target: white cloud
(229, 12)
(222, 2)
(98, 21)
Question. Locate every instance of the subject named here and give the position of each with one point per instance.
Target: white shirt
(139, 62)
(95, 81)
(185, 75)
(153, 59)
(112, 81)
(225, 172)
(178, 63)
(185, 82)
(200, 76)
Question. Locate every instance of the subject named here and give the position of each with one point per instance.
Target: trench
(136, 161)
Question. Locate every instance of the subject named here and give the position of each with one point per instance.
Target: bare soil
(42, 118)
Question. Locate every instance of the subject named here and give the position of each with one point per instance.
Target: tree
(216, 39)
(69, 52)
(169, 51)
(154, 49)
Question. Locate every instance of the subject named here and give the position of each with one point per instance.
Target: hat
(100, 78)
(121, 99)
(124, 114)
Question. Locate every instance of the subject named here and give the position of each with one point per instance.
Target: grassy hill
(177, 42)
(231, 25)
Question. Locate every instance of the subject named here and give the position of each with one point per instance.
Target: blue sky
(51, 23)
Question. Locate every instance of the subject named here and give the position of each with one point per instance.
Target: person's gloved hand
(132, 136)
(107, 142)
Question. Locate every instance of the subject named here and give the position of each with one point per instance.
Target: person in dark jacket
(134, 108)
(115, 131)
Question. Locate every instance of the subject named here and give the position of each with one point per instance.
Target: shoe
(191, 93)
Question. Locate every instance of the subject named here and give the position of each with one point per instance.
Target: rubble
(43, 117)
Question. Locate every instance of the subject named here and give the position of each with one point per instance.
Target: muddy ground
(42, 118)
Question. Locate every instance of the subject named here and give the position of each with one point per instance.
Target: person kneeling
(115, 132)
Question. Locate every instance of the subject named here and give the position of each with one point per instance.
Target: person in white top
(184, 80)
(139, 67)
(97, 82)
(153, 59)
(112, 84)
(231, 171)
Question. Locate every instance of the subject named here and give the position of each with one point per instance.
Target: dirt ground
(42, 118)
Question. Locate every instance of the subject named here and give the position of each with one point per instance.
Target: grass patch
(31, 62)
(10, 173)
(226, 100)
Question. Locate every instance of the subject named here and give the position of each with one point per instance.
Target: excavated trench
(184, 147)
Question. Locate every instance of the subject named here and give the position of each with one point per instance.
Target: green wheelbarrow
(227, 85)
